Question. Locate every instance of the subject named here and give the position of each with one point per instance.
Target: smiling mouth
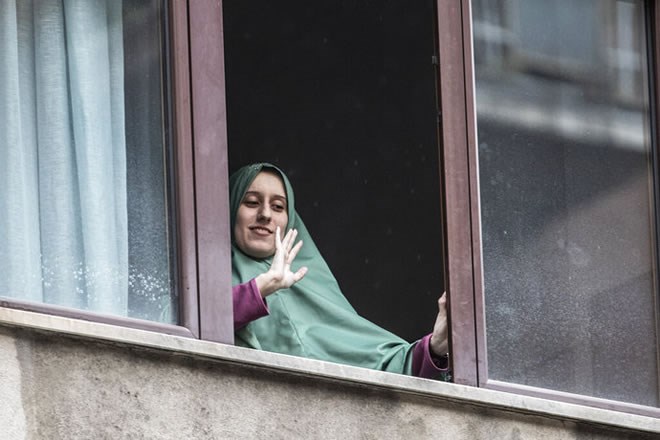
(261, 230)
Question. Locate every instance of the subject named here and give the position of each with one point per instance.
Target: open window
(545, 183)
(342, 96)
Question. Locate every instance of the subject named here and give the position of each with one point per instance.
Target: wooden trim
(456, 172)
(211, 175)
(572, 398)
(51, 309)
(184, 169)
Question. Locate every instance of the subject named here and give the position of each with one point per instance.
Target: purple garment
(249, 305)
(423, 365)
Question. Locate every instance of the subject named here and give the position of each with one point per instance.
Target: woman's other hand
(440, 337)
(280, 276)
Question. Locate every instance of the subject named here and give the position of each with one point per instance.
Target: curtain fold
(63, 229)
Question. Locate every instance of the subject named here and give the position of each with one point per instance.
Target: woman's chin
(259, 253)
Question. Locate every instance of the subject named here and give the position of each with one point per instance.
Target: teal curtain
(63, 216)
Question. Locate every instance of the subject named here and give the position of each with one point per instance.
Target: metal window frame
(462, 204)
(200, 182)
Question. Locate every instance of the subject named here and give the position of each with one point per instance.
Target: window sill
(312, 368)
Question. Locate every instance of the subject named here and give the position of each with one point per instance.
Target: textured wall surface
(56, 387)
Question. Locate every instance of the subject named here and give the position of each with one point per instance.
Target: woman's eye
(251, 203)
(278, 208)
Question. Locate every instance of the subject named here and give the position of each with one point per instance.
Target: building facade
(502, 151)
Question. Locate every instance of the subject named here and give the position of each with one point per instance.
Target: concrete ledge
(312, 368)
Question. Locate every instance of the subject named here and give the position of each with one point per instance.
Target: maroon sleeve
(248, 304)
(422, 364)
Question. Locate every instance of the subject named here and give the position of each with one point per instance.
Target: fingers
(286, 242)
(293, 252)
(286, 252)
(289, 239)
(440, 336)
(442, 304)
(278, 241)
(300, 273)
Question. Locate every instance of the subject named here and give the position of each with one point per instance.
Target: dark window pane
(341, 95)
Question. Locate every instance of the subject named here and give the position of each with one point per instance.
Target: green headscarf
(312, 318)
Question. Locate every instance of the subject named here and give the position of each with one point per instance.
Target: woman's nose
(264, 213)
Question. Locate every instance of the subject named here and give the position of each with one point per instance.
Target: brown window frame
(462, 211)
(209, 120)
(200, 168)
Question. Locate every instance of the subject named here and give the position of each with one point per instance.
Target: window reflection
(566, 196)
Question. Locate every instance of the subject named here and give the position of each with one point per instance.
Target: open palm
(280, 275)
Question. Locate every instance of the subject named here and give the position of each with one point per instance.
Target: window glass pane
(566, 191)
(83, 200)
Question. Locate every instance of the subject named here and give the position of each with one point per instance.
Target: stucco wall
(55, 386)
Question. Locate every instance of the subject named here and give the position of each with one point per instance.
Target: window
(529, 242)
(566, 190)
(341, 95)
(100, 217)
(585, 99)
(85, 201)
(556, 157)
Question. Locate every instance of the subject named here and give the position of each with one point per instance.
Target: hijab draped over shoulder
(312, 318)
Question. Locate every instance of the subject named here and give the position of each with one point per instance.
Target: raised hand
(280, 276)
(440, 338)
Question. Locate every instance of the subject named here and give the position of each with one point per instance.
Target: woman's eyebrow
(259, 194)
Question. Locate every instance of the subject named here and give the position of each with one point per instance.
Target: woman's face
(263, 208)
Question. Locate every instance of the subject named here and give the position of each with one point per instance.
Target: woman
(303, 312)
